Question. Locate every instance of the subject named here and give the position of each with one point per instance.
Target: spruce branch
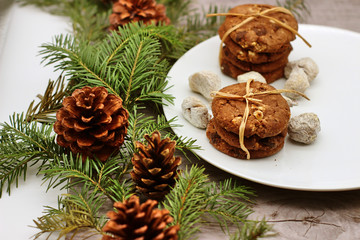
(22, 144)
(128, 64)
(176, 10)
(253, 230)
(228, 203)
(298, 7)
(105, 178)
(75, 211)
(186, 201)
(44, 111)
(141, 123)
(194, 198)
(89, 18)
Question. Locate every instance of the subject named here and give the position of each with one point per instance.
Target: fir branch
(44, 111)
(298, 7)
(23, 143)
(89, 18)
(199, 28)
(253, 230)
(106, 178)
(186, 201)
(141, 123)
(75, 211)
(176, 10)
(228, 202)
(128, 64)
(195, 197)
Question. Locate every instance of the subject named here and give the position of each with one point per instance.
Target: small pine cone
(147, 11)
(155, 166)
(92, 122)
(133, 220)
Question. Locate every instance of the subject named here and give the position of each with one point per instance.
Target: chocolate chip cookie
(251, 56)
(261, 67)
(221, 145)
(260, 34)
(266, 119)
(228, 68)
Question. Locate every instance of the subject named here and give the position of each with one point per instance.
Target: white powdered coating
(205, 82)
(304, 128)
(307, 64)
(297, 81)
(195, 112)
(251, 75)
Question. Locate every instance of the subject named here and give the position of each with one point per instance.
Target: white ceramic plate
(332, 163)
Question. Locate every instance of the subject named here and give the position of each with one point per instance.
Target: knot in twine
(250, 17)
(249, 97)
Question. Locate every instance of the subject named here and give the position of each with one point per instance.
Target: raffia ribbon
(251, 17)
(249, 97)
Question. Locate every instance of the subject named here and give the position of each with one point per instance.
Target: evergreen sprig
(89, 18)
(106, 178)
(44, 111)
(195, 198)
(80, 210)
(177, 10)
(22, 144)
(128, 64)
(253, 230)
(228, 203)
(298, 7)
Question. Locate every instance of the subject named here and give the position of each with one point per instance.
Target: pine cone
(133, 220)
(155, 166)
(92, 122)
(147, 11)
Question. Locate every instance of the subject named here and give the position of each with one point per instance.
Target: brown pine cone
(147, 11)
(133, 220)
(92, 122)
(155, 166)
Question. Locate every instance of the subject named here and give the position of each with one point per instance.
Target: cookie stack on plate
(260, 45)
(265, 129)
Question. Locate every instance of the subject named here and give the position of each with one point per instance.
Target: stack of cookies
(260, 45)
(265, 129)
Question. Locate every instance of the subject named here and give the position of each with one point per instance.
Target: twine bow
(250, 17)
(249, 97)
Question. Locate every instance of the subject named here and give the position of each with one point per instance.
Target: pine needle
(75, 211)
(195, 197)
(44, 111)
(298, 7)
(23, 144)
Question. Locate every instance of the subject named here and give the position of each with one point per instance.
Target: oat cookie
(260, 34)
(267, 119)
